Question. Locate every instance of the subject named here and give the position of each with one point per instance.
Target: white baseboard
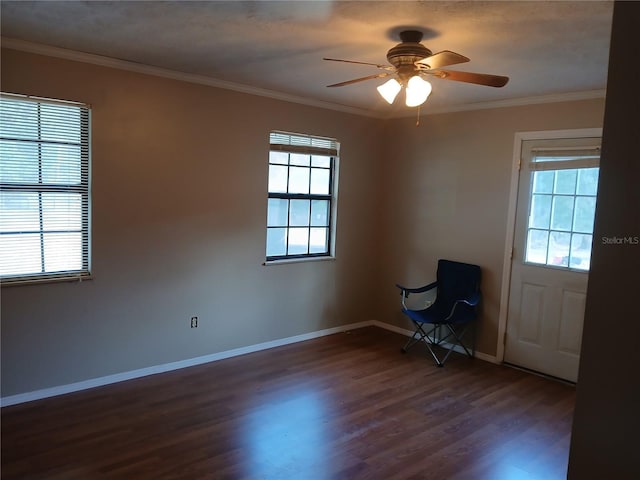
(167, 367)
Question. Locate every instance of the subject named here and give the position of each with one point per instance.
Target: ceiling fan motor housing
(409, 51)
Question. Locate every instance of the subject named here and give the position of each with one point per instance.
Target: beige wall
(446, 192)
(179, 214)
(179, 189)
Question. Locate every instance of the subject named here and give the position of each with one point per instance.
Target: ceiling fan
(411, 62)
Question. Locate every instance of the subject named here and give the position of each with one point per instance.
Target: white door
(551, 254)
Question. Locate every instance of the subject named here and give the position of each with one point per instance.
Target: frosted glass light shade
(389, 90)
(417, 91)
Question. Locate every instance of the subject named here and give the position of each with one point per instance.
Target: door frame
(519, 138)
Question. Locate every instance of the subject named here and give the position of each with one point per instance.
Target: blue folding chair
(445, 322)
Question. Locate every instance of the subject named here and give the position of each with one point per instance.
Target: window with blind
(44, 189)
(301, 203)
(562, 206)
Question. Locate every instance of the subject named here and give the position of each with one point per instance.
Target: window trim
(83, 188)
(308, 145)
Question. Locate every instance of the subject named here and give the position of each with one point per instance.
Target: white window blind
(564, 158)
(300, 143)
(44, 189)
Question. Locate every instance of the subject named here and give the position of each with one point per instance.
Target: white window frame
(297, 143)
(71, 136)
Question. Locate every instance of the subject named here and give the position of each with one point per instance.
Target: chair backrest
(455, 281)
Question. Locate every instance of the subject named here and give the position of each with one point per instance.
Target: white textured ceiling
(546, 48)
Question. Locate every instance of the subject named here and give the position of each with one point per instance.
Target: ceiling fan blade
(356, 80)
(384, 67)
(468, 77)
(443, 59)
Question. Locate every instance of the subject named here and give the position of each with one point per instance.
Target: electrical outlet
(194, 322)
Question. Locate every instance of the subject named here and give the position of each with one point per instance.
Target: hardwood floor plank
(347, 406)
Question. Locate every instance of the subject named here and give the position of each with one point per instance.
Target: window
(562, 207)
(301, 203)
(44, 189)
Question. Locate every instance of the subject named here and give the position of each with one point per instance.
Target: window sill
(40, 281)
(286, 261)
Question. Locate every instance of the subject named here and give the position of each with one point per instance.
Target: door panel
(571, 319)
(531, 306)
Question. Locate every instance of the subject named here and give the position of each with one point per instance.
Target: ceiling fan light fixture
(389, 90)
(417, 91)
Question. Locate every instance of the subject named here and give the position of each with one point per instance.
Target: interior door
(551, 254)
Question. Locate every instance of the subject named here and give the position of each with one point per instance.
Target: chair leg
(413, 340)
(458, 337)
(421, 336)
(434, 337)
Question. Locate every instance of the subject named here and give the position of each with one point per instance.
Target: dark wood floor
(347, 406)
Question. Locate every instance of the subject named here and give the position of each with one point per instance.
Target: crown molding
(510, 102)
(48, 50)
(103, 61)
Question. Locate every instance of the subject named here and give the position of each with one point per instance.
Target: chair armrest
(405, 291)
(472, 300)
